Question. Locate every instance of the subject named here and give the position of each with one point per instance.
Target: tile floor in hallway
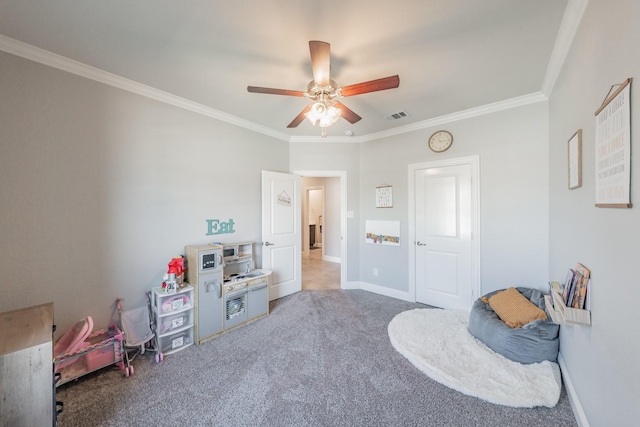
(318, 274)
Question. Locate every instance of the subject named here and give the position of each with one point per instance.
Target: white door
(281, 232)
(445, 221)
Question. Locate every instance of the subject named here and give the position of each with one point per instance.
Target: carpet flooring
(321, 358)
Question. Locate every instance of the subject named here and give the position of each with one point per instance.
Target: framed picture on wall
(574, 147)
(384, 196)
(613, 149)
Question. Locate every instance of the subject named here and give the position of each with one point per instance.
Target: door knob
(269, 244)
(419, 243)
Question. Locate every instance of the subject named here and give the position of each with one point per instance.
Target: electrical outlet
(375, 271)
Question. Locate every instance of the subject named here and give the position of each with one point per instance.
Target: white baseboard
(331, 258)
(381, 290)
(352, 285)
(578, 412)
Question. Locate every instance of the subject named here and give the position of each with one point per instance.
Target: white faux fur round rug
(437, 342)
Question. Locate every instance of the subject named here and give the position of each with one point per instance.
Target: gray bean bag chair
(535, 342)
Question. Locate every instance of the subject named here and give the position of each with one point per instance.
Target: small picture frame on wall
(574, 147)
(384, 196)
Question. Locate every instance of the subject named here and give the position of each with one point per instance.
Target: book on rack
(567, 285)
(572, 291)
(582, 287)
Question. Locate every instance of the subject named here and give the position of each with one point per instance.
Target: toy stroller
(136, 328)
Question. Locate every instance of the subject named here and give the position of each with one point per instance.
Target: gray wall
(601, 360)
(100, 188)
(512, 146)
(513, 150)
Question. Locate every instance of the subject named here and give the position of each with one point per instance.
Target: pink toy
(176, 266)
(72, 341)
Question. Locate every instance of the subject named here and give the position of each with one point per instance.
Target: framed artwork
(382, 232)
(613, 149)
(384, 196)
(574, 147)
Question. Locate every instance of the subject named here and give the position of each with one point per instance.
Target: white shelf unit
(173, 318)
(565, 315)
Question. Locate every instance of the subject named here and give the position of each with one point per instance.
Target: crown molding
(568, 29)
(461, 115)
(60, 62)
(436, 121)
(570, 22)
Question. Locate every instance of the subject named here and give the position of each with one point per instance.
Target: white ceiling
(451, 55)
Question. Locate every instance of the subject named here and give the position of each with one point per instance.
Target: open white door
(281, 233)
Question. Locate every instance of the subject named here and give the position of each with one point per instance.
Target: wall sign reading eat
(215, 226)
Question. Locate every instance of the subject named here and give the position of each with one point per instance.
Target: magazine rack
(563, 315)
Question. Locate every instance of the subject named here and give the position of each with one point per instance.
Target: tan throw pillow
(514, 309)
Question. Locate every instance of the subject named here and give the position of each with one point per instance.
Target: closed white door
(444, 228)
(281, 252)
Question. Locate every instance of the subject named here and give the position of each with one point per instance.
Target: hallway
(318, 274)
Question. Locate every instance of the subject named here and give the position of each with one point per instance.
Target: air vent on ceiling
(396, 116)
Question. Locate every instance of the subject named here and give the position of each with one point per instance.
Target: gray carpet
(321, 358)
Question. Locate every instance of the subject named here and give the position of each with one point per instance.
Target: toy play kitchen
(228, 291)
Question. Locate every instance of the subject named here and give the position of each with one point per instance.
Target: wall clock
(440, 141)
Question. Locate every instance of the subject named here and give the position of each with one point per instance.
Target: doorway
(323, 226)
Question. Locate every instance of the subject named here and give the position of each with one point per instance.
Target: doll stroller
(137, 333)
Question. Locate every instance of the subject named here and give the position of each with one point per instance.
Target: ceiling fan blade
(320, 62)
(271, 91)
(371, 86)
(347, 113)
(299, 118)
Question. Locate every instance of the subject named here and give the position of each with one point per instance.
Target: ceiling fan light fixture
(317, 111)
(331, 116)
(323, 114)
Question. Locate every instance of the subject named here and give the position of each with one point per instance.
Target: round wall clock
(440, 141)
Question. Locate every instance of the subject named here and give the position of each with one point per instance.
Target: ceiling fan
(325, 109)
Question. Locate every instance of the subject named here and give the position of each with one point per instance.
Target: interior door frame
(474, 162)
(343, 214)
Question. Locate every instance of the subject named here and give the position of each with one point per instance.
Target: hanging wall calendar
(384, 196)
(613, 149)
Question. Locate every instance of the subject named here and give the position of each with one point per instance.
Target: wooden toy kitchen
(228, 292)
